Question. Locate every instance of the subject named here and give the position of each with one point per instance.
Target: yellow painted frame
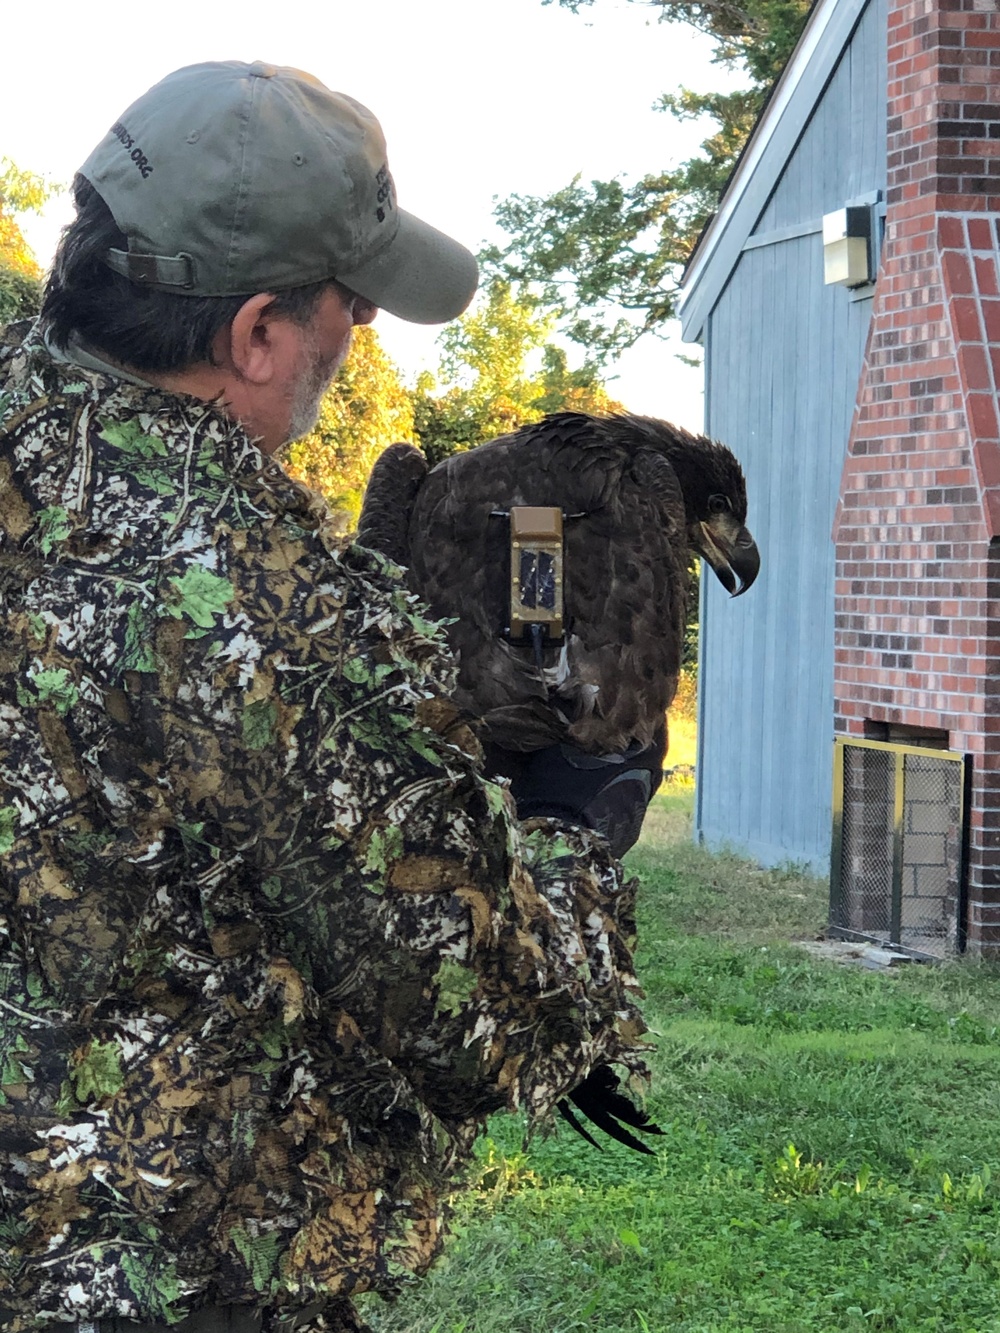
(899, 751)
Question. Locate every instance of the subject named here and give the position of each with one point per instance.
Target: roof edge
(778, 100)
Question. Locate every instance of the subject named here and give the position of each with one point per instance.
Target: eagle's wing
(626, 596)
(392, 488)
(625, 583)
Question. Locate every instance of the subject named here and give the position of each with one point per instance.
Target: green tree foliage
(366, 408)
(613, 246)
(20, 275)
(486, 356)
(20, 294)
(498, 371)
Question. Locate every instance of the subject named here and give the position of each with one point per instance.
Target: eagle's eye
(717, 504)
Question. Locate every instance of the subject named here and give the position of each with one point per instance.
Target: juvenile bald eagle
(638, 497)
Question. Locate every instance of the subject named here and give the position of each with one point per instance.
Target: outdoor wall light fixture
(847, 246)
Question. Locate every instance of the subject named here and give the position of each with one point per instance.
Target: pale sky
(477, 100)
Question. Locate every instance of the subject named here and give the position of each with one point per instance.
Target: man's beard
(309, 389)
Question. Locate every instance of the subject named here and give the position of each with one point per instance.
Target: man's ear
(256, 344)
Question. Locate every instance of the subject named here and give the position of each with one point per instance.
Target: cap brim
(422, 275)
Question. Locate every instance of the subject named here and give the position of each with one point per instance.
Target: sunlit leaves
(499, 371)
(20, 275)
(22, 191)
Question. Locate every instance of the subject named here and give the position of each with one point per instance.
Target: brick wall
(917, 631)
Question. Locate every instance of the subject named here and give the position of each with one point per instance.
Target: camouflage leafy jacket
(270, 945)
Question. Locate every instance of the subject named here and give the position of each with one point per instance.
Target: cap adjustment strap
(157, 270)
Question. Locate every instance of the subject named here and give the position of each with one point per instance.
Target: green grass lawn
(830, 1161)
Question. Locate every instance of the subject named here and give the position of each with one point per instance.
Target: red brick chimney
(917, 637)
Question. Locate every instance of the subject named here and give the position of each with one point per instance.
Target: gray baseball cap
(231, 179)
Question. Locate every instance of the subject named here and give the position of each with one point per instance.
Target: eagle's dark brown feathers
(638, 495)
(384, 522)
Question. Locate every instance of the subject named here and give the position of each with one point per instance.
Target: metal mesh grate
(932, 853)
(866, 873)
(897, 853)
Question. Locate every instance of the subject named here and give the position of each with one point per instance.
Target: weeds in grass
(498, 1175)
(971, 1191)
(791, 1178)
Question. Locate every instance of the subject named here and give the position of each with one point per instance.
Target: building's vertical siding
(917, 615)
(785, 354)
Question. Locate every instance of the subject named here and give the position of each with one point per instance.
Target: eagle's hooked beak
(730, 550)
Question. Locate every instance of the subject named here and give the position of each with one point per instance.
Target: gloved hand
(608, 793)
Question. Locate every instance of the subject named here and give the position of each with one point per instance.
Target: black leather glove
(608, 793)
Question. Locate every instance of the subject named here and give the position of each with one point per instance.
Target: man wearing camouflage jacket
(272, 946)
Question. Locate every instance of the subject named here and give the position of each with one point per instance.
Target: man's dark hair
(133, 325)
